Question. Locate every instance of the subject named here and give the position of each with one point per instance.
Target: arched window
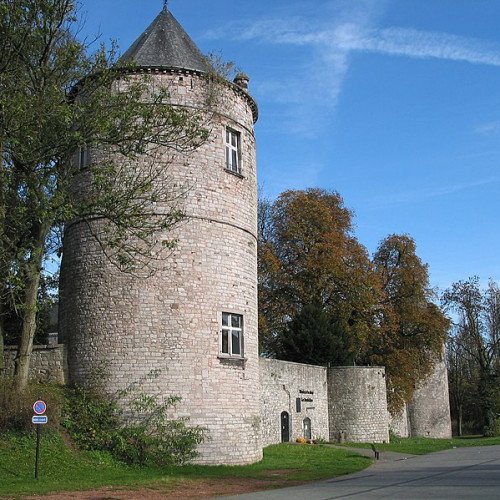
(307, 428)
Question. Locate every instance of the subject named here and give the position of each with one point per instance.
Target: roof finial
(165, 4)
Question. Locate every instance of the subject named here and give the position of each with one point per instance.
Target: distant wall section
(298, 390)
(358, 404)
(48, 363)
(429, 411)
(399, 424)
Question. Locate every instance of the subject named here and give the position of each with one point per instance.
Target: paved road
(459, 473)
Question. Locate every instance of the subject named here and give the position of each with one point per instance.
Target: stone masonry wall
(48, 363)
(163, 332)
(357, 400)
(399, 424)
(429, 411)
(282, 384)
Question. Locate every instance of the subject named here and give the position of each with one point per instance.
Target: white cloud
(297, 176)
(332, 44)
(310, 92)
(355, 35)
(419, 195)
(488, 128)
(316, 83)
(421, 44)
(293, 31)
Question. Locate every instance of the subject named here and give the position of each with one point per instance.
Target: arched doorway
(285, 427)
(307, 428)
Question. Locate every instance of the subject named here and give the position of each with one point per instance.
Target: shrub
(17, 408)
(95, 421)
(320, 441)
(153, 438)
(494, 429)
(393, 437)
(91, 418)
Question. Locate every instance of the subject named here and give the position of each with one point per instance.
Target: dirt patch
(204, 488)
(277, 472)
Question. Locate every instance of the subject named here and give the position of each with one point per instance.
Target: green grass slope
(62, 468)
(421, 446)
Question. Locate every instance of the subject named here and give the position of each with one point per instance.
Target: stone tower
(195, 321)
(429, 410)
(357, 404)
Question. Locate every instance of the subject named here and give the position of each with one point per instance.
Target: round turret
(429, 410)
(357, 404)
(194, 322)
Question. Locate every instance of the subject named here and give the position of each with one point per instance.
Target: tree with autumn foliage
(310, 260)
(323, 301)
(411, 329)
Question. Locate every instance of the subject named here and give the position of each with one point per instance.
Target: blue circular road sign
(39, 407)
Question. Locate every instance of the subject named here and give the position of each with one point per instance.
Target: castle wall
(282, 384)
(399, 424)
(357, 400)
(163, 332)
(48, 363)
(429, 411)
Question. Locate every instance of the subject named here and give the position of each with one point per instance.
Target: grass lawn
(421, 446)
(64, 469)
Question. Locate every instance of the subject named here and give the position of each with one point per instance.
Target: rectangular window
(83, 157)
(232, 334)
(233, 151)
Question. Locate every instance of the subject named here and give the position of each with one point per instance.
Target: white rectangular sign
(39, 419)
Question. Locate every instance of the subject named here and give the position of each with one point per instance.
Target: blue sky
(393, 103)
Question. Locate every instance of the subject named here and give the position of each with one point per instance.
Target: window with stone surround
(233, 151)
(231, 342)
(83, 157)
(298, 405)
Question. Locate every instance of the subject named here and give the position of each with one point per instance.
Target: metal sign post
(39, 407)
(37, 457)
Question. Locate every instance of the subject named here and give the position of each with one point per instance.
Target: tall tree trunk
(25, 348)
(2, 350)
(2, 259)
(486, 401)
(459, 420)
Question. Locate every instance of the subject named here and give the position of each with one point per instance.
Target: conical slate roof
(165, 44)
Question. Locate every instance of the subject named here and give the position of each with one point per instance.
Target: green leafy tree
(317, 338)
(46, 308)
(476, 344)
(462, 380)
(58, 99)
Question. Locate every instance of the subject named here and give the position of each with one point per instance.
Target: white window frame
(233, 150)
(228, 330)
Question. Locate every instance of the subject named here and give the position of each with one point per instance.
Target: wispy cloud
(352, 31)
(278, 31)
(419, 195)
(357, 36)
(425, 45)
(316, 82)
(488, 128)
(297, 176)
